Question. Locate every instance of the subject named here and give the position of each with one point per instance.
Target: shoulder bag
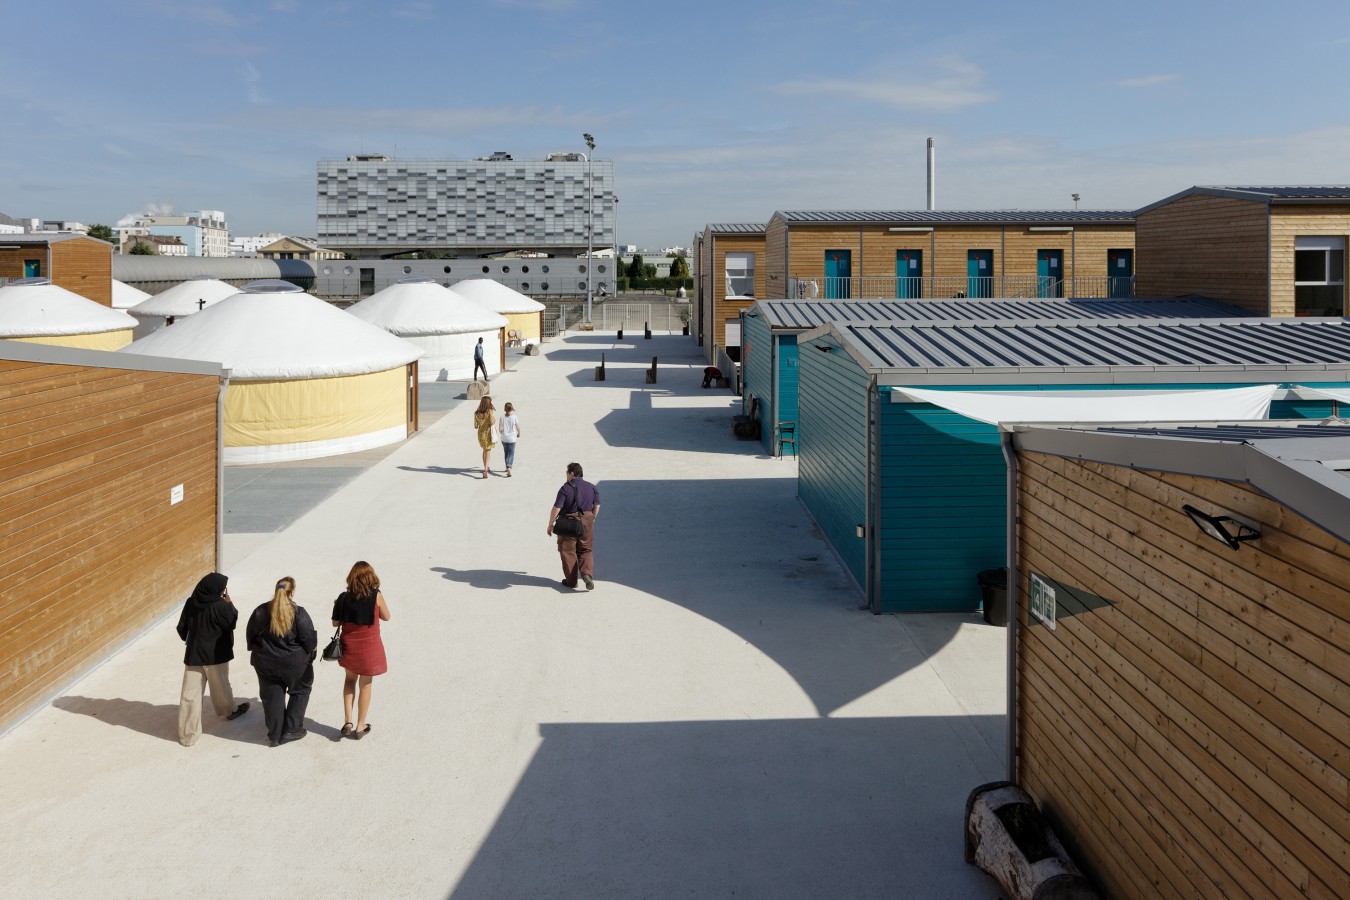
(334, 649)
(567, 526)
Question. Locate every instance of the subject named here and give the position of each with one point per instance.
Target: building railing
(936, 287)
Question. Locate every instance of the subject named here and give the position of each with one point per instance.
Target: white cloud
(946, 84)
(252, 78)
(1148, 81)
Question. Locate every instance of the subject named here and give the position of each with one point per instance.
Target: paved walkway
(716, 719)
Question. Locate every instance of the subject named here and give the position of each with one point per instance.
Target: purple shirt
(587, 496)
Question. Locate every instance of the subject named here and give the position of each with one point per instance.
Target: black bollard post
(646, 331)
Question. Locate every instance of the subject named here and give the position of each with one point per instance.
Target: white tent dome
(445, 325)
(185, 299)
(495, 296)
(265, 335)
(124, 296)
(306, 379)
(36, 310)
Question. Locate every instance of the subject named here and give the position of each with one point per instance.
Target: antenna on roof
(932, 176)
(1075, 202)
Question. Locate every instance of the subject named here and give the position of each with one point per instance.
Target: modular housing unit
(769, 353)
(934, 254)
(728, 277)
(76, 262)
(1277, 251)
(109, 505)
(1180, 708)
(911, 495)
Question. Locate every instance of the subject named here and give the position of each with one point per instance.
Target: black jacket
(207, 624)
(293, 649)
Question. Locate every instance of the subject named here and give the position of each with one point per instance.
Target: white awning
(1340, 395)
(995, 407)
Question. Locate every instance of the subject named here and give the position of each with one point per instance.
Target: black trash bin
(994, 591)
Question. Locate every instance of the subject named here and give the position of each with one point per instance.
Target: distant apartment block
(373, 205)
(249, 246)
(204, 232)
(162, 245)
(296, 248)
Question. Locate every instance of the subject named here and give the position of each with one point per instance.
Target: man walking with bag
(572, 521)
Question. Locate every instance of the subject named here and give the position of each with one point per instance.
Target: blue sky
(712, 112)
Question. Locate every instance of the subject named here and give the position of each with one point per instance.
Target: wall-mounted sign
(1041, 601)
(176, 494)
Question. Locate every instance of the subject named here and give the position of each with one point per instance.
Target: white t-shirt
(509, 426)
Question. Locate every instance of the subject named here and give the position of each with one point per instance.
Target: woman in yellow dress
(485, 421)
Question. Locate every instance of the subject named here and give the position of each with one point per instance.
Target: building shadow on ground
(650, 424)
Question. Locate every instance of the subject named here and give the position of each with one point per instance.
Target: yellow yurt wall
(528, 323)
(105, 340)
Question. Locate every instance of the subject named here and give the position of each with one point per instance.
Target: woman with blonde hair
(282, 639)
(484, 420)
(359, 610)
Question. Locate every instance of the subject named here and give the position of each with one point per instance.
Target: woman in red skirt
(359, 610)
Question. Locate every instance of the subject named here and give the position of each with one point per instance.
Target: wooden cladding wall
(1214, 246)
(1287, 223)
(91, 548)
(724, 309)
(82, 265)
(1184, 725)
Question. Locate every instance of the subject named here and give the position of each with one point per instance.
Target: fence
(876, 287)
(613, 316)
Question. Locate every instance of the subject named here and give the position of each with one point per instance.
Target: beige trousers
(195, 680)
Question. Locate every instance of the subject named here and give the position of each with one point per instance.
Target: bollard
(651, 373)
(620, 334)
(600, 369)
(646, 331)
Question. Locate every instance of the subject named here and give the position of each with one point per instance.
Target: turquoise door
(908, 274)
(979, 273)
(838, 274)
(32, 268)
(1119, 273)
(1049, 273)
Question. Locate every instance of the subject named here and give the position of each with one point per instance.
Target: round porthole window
(485, 270)
(581, 285)
(524, 285)
(525, 269)
(506, 270)
(328, 270)
(544, 286)
(407, 270)
(545, 270)
(347, 270)
(447, 270)
(581, 269)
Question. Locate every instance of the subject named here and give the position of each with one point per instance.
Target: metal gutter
(220, 468)
(1014, 582)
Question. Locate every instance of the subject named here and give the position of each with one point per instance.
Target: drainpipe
(220, 467)
(871, 516)
(1014, 582)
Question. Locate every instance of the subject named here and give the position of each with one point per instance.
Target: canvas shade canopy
(444, 324)
(524, 313)
(124, 296)
(184, 299)
(38, 312)
(996, 407)
(306, 379)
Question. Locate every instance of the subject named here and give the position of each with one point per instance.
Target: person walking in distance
(206, 626)
(479, 362)
(282, 639)
(510, 429)
(485, 423)
(577, 499)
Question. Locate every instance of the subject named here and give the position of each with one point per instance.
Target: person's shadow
(160, 720)
(496, 579)
(469, 472)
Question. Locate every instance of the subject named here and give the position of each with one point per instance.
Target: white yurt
(38, 312)
(445, 325)
(124, 296)
(173, 305)
(525, 315)
(306, 379)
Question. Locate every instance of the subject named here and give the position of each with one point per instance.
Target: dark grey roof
(1292, 194)
(804, 314)
(960, 217)
(41, 237)
(1097, 351)
(1304, 466)
(737, 228)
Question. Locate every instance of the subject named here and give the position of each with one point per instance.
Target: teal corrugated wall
(757, 372)
(785, 404)
(832, 443)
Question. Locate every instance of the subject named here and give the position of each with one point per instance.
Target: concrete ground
(717, 718)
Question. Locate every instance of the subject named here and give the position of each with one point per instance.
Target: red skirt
(362, 649)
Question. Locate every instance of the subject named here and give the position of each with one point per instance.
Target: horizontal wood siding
(1288, 223)
(703, 273)
(757, 372)
(943, 492)
(1213, 246)
(832, 443)
(724, 309)
(91, 548)
(775, 259)
(84, 265)
(1184, 725)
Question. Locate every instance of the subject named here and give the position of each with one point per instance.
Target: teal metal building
(911, 493)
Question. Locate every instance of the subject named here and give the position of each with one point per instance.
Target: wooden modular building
(898, 427)
(1181, 702)
(728, 277)
(1277, 251)
(934, 254)
(76, 262)
(109, 505)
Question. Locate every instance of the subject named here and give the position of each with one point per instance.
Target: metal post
(590, 221)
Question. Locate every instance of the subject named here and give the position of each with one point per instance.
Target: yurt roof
(34, 307)
(420, 306)
(183, 299)
(495, 296)
(270, 333)
(124, 296)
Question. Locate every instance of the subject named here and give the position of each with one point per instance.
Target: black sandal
(348, 729)
(362, 733)
(238, 711)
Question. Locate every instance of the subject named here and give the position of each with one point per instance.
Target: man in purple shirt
(577, 499)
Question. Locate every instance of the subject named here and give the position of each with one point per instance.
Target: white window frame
(740, 267)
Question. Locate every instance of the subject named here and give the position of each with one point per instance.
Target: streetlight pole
(590, 221)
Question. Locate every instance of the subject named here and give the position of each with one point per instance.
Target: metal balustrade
(877, 287)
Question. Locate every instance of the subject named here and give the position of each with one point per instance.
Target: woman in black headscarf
(207, 628)
(282, 640)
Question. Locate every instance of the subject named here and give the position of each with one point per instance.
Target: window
(740, 274)
(1319, 276)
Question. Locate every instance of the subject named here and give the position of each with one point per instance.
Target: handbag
(334, 649)
(566, 526)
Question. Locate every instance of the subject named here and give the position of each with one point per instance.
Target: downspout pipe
(220, 468)
(1014, 583)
